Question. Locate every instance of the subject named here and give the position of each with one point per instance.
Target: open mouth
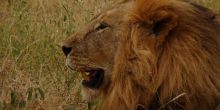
(92, 78)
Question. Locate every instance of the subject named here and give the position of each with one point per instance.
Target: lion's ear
(162, 22)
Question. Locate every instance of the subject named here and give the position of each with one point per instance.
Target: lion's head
(149, 54)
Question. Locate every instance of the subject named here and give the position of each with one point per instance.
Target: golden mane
(180, 70)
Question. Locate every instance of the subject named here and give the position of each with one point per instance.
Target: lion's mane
(182, 71)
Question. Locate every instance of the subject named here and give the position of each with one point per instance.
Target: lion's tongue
(87, 77)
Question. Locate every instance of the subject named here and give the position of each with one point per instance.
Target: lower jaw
(88, 94)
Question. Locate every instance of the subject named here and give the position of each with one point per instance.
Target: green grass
(32, 71)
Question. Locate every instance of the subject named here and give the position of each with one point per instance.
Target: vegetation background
(33, 75)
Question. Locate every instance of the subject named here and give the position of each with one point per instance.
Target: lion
(149, 55)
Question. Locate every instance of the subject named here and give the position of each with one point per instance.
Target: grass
(32, 71)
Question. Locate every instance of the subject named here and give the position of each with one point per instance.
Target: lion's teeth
(87, 73)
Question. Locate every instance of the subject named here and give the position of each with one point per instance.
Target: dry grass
(32, 71)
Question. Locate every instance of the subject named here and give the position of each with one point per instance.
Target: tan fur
(166, 56)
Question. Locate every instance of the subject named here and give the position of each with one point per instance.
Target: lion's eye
(101, 26)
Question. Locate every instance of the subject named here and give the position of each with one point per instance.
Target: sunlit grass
(212, 4)
(32, 71)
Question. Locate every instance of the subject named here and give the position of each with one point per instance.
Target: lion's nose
(66, 49)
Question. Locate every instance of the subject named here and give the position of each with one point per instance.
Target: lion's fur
(185, 59)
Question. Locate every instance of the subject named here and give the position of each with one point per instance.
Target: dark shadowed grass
(32, 71)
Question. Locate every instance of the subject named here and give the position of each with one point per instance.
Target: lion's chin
(89, 94)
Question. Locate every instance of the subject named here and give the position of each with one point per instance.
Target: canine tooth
(87, 73)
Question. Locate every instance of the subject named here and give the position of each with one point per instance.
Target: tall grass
(32, 71)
